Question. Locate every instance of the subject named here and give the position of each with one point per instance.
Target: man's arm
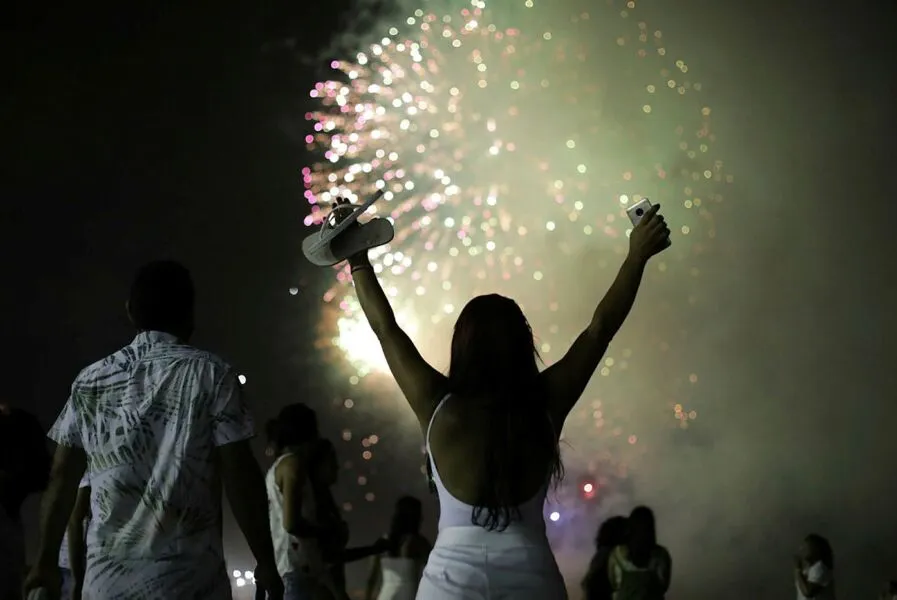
(245, 489)
(232, 430)
(69, 464)
(77, 546)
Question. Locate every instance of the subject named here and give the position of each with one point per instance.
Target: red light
(588, 489)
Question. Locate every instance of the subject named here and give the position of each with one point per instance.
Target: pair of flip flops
(339, 239)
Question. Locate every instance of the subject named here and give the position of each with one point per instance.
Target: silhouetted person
(640, 569)
(890, 591)
(612, 533)
(160, 425)
(396, 575)
(814, 569)
(324, 473)
(298, 536)
(24, 470)
(492, 427)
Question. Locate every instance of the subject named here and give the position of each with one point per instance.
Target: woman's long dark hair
(405, 522)
(823, 550)
(494, 361)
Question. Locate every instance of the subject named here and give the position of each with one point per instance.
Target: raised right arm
(567, 379)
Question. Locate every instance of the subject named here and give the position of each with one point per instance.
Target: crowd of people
(155, 434)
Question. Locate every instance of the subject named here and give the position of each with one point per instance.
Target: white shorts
(471, 563)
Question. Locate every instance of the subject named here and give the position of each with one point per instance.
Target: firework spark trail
(508, 143)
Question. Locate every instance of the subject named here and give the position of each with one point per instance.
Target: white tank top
(292, 554)
(455, 513)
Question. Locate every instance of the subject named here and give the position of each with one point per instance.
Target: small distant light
(241, 582)
(294, 291)
(241, 379)
(554, 516)
(587, 488)
(249, 575)
(238, 574)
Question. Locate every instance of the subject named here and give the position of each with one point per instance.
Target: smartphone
(637, 211)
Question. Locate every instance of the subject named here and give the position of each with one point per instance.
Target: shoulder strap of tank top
(280, 458)
(433, 416)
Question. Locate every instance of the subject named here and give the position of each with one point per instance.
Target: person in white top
(396, 576)
(161, 426)
(814, 569)
(73, 552)
(493, 424)
(24, 470)
(890, 591)
(291, 508)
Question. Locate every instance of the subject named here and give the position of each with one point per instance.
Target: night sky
(143, 132)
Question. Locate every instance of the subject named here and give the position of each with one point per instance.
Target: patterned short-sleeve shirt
(149, 418)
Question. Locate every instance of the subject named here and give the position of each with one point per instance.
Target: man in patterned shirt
(160, 426)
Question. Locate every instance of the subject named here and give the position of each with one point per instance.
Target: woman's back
(458, 438)
(510, 560)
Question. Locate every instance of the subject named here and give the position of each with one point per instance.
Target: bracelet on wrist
(361, 267)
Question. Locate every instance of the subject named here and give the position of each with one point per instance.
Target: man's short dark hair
(162, 298)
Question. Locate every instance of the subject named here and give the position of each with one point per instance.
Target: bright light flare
(361, 347)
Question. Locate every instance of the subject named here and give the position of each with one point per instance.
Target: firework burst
(509, 143)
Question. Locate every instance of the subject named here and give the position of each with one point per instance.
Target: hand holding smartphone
(639, 210)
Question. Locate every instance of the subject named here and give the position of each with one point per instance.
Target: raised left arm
(420, 383)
